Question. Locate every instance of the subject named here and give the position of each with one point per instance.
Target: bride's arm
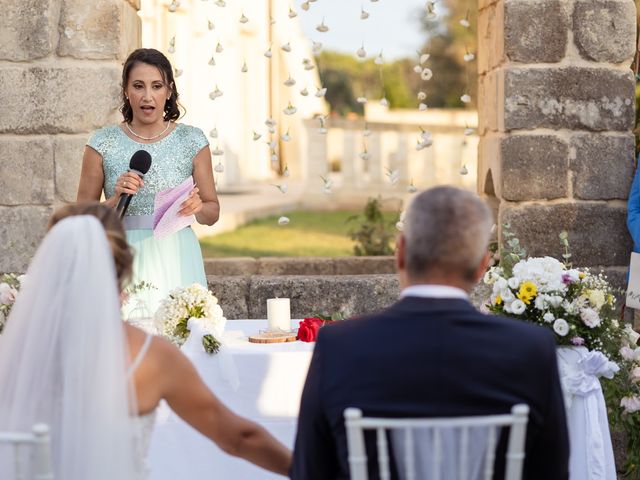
(189, 397)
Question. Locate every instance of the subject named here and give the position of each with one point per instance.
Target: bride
(67, 360)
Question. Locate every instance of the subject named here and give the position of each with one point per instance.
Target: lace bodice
(171, 161)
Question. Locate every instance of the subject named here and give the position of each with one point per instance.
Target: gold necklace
(147, 138)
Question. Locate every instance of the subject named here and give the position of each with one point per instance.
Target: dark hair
(153, 57)
(116, 236)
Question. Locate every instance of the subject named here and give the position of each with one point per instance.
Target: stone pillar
(556, 111)
(60, 63)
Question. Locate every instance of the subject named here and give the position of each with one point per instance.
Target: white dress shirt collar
(434, 291)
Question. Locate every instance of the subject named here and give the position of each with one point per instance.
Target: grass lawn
(323, 234)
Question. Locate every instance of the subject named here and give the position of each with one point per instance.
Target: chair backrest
(31, 453)
(436, 431)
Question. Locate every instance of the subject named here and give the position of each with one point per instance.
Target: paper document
(633, 289)
(166, 205)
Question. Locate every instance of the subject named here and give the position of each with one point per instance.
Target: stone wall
(60, 63)
(556, 113)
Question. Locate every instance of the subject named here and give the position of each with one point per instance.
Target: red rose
(308, 329)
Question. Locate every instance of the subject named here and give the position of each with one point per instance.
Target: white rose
(548, 317)
(8, 294)
(518, 307)
(555, 300)
(501, 284)
(590, 317)
(507, 295)
(541, 302)
(561, 327)
(630, 404)
(513, 283)
(632, 335)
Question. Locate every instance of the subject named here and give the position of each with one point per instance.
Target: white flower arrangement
(578, 305)
(185, 306)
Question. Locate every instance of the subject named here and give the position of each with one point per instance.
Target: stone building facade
(60, 64)
(556, 115)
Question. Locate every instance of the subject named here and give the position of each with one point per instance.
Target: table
(262, 382)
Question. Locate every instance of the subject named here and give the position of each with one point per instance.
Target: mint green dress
(174, 261)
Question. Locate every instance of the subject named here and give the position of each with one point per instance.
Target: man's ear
(484, 265)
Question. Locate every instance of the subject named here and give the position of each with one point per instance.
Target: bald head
(446, 231)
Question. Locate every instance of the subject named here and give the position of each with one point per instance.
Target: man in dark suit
(432, 353)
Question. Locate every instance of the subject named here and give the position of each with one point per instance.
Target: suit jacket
(430, 357)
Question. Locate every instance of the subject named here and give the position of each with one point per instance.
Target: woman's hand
(128, 183)
(191, 205)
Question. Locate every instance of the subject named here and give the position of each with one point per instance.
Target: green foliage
(374, 233)
(512, 252)
(447, 42)
(347, 78)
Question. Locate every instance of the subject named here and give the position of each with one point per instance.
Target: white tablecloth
(262, 382)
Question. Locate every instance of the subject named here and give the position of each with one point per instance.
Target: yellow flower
(498, 300)
(528, 292)
(582, 275)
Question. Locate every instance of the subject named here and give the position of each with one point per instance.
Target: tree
(447, 43)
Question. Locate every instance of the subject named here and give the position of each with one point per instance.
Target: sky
(393, 26)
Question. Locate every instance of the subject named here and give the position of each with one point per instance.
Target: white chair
(39, 461)
(435, 429)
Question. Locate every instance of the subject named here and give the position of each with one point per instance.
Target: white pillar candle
(278, 314)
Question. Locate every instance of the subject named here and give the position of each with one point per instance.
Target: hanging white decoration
(290, 110)
(292, 13)
(466, 98)
(469, 57)
(244, 68)
(172, 45)
(322, 28)
(283, 187)
(283, 221)
(217, 151)
(363, 14)
(213, 133)
(216, 93)
(361, 52)
(384, 102)
(422, 96)
(316, 48)
(256, 136)
(210, 25)
(321, 92)
(361, 100)
(289, 82)
(286, 137)
(304, 92)
(286, 47)
(426, 74)
(219, 168)
(219, 48)
(243, 18)
(464, 171)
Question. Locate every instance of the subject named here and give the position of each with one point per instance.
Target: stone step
(300, 266)
(245, 296)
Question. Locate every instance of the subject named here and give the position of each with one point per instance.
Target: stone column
(60, 63)
(556, 111)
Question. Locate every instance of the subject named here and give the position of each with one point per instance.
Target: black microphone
(140, 163)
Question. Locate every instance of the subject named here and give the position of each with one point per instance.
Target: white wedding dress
(63, 360)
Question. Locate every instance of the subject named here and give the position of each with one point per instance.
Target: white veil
(63, 358)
